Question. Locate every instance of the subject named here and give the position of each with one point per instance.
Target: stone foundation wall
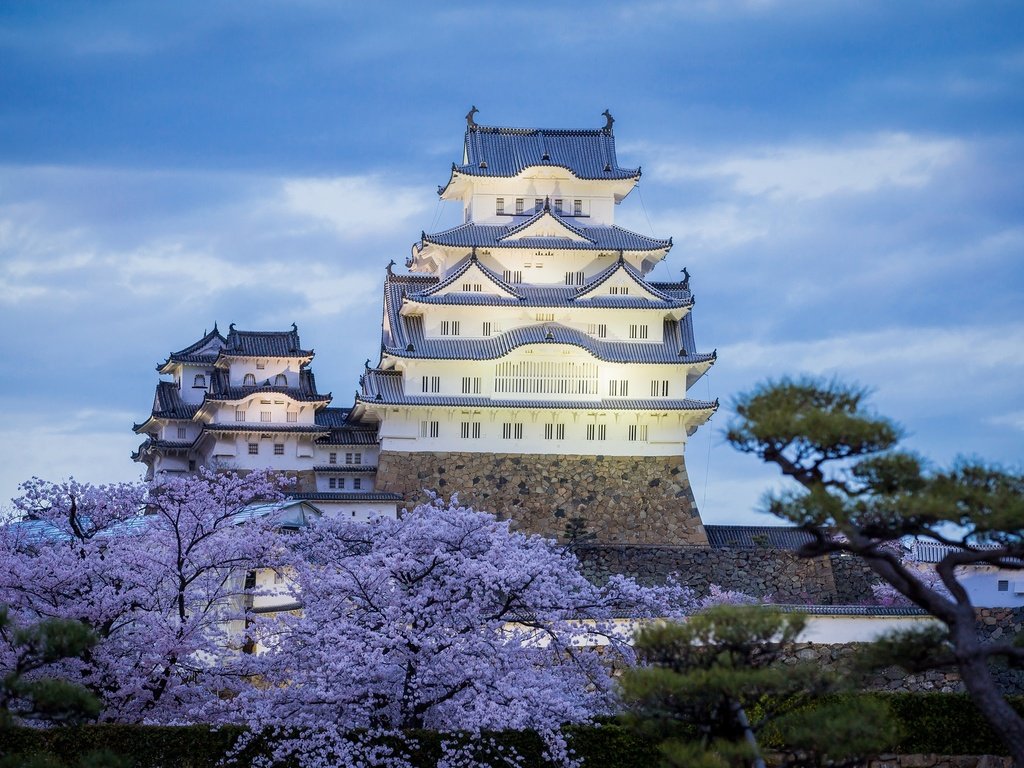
(623, 500)
(767, 573)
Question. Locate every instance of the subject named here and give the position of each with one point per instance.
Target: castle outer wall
(622, 499)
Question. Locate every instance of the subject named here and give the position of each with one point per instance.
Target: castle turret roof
(202, 352)
(494, 151)
(264, 344)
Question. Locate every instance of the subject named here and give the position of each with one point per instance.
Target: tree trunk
(977, 678)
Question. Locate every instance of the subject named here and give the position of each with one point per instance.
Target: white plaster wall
(451, 374)
(982, 584)
(233, 450)
(323, 454)
(366, 484)
(401, 431)
(598, 196)
(272, 367)
(277, 405)
(857, 629)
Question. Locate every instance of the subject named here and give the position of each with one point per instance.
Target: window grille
(659, 388)
(512, 431)
(538, 377)
(471, 385)
(554, 431)
(638, 432)
(638, 331)
(597, 431)
(254, 449)
(430, 428)
(470, 429)
(279, 449)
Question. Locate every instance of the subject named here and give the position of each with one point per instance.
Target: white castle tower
(528, 363)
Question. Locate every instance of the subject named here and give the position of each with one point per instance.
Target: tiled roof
(167, 404)
(676, 347)
(221, 391)
(757, 537)
(256, 426)
(655, 295)
(345, 468)
(385, 387)
(193, 354)
(353, 496)
(150, 445)
(596, 238)
(853, 610)
(505, 152)
(342, 431)
(264, 344)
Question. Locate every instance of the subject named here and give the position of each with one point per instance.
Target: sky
(843, 180)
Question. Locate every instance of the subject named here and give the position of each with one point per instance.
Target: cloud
(355, 206)
(1013, 420)
(800, 172)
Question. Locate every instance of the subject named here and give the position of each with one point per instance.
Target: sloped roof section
(264, 344)
(342, 431)
(167, 404)
(492, 151)
(589, 238)
(757, 537)
(222, 391)
(385, 387)
(202, 352)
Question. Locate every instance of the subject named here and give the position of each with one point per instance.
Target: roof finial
(215, 326)
(389, 266)
(295, 328)
(470, 123)
(622, 258)
(547, 203)
(367, 364)
(231, 328)
(472, 254)
(609, 118)
(686, 278)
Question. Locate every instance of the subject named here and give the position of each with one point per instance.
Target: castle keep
(528, 360)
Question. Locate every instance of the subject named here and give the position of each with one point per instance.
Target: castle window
(487, 328)
(538, 203)
(618, 290)
(353, 458)
(577, 207)
(618, 388)
(1003, 585)
(638, 331)
(199, 381)
(357, 483)
(545, 317)
(470, 429)
(239, 414)
(192, 465)
(182, 433)
(659, 388)
(332, 458)
(554, 431)
(261, 366)
(512, 431)
(333, 482)
(254, 449)
(292, 416)
(598, 329)
(430, 428)
(558, 205)
(449, 327)
(512, 275)
(280, 380)
(519, 206)
(249, 380)
(279, 449)
(545, 378)
(597, 431)
(471, 385)
(574, 278)
(499, 206)
(638, 432)
(266, 416)
(431, 383)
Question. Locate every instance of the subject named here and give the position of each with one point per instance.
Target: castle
(528, 362)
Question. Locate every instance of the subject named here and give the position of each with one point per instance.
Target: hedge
(941, 723)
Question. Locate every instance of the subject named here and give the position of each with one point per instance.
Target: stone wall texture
(772, 574)
(623, 500)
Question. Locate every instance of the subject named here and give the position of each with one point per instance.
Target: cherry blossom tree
(157, 573)
(444, 619)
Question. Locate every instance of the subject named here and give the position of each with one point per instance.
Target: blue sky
(844, 181)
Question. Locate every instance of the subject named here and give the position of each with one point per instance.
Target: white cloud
(1013, 419)
(355, 206)
(799, 172)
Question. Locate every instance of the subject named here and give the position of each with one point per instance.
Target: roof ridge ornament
(389, 266)
(610, 120)
(622, 259)
(470, 122)
(686, 278)
(472, 254)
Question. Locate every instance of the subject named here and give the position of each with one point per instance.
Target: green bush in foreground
(939, 723)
